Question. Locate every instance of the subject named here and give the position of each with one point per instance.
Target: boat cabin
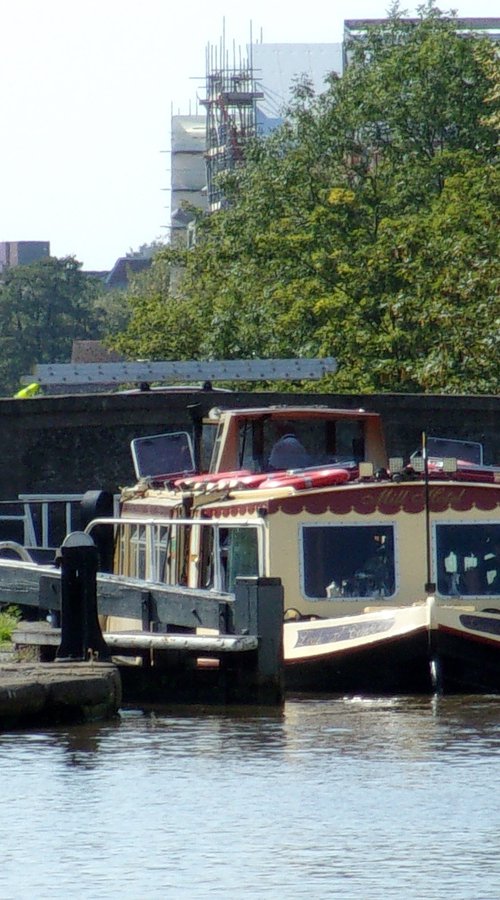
(269, 439)
(264, 440)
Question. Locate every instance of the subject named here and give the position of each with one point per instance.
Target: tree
(160, 327)
(44, 306)
(435, 324)
(363, 228)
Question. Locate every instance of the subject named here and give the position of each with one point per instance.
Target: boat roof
(254, 412)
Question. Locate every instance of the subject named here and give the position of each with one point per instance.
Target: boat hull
(466, 650)
(383, 651)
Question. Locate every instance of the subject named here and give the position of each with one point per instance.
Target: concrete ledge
(36, 634)
(51, 693)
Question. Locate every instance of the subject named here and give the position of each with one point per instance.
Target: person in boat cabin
(289, 453)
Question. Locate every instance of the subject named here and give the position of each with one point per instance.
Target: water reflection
(329, 797)
(402, 726)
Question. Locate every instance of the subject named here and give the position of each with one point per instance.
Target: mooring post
(99, 505)
(258, 610)
(80, 630)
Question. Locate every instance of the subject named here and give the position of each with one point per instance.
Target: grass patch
(9, 617)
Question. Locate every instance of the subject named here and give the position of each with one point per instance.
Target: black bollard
(99, 505)
(81, 635)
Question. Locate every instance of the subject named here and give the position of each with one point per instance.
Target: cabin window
(169, 562)
(207, 576)
(163, 454)
(341, 562)
(164, 553)
(467, 559)
(210, 443)
(154, 553)
(250, 448)
(265, 445)
(137, 550)
(239, 553)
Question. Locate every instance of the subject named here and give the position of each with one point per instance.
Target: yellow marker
(29, 391)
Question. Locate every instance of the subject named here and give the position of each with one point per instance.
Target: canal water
(327, 798)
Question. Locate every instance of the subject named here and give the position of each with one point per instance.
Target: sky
(88, 88)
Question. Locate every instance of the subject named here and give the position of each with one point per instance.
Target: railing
(40, 521)
(49, 505)
(21, 518)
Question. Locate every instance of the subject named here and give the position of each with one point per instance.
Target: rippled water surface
(327, 798)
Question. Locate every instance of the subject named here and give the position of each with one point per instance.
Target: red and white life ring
(221, 481)
(252, 480)
(307, 478)
(189, 482)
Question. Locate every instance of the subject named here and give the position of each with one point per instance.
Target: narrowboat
(389, 567)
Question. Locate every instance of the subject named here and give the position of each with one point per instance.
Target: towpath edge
(55, 693)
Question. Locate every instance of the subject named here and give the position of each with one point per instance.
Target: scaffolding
(231, 113)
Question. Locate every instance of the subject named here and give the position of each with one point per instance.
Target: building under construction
(231, 114)
(244, 95)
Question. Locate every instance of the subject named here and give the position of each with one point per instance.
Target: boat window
(225, 554)
(347, 561)
(130, 550)
(465, 451)
(207, 575)
(239, 555)
(272, 444)
(151, 552)
(467, 559)
(249, 446)
(210, 440)
(120, 550)
(168, 556)
(216, 444)
(163, 553)
(137, 552)
(163, 454)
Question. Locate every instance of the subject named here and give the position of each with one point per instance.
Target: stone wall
(70, 444)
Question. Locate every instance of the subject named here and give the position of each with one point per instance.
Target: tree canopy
(365, 227)
(44, 306)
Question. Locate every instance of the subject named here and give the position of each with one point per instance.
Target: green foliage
(158, 328)
(112, 310)
(9, 618)
(44, 306)
(421, 305)
(365, 228)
